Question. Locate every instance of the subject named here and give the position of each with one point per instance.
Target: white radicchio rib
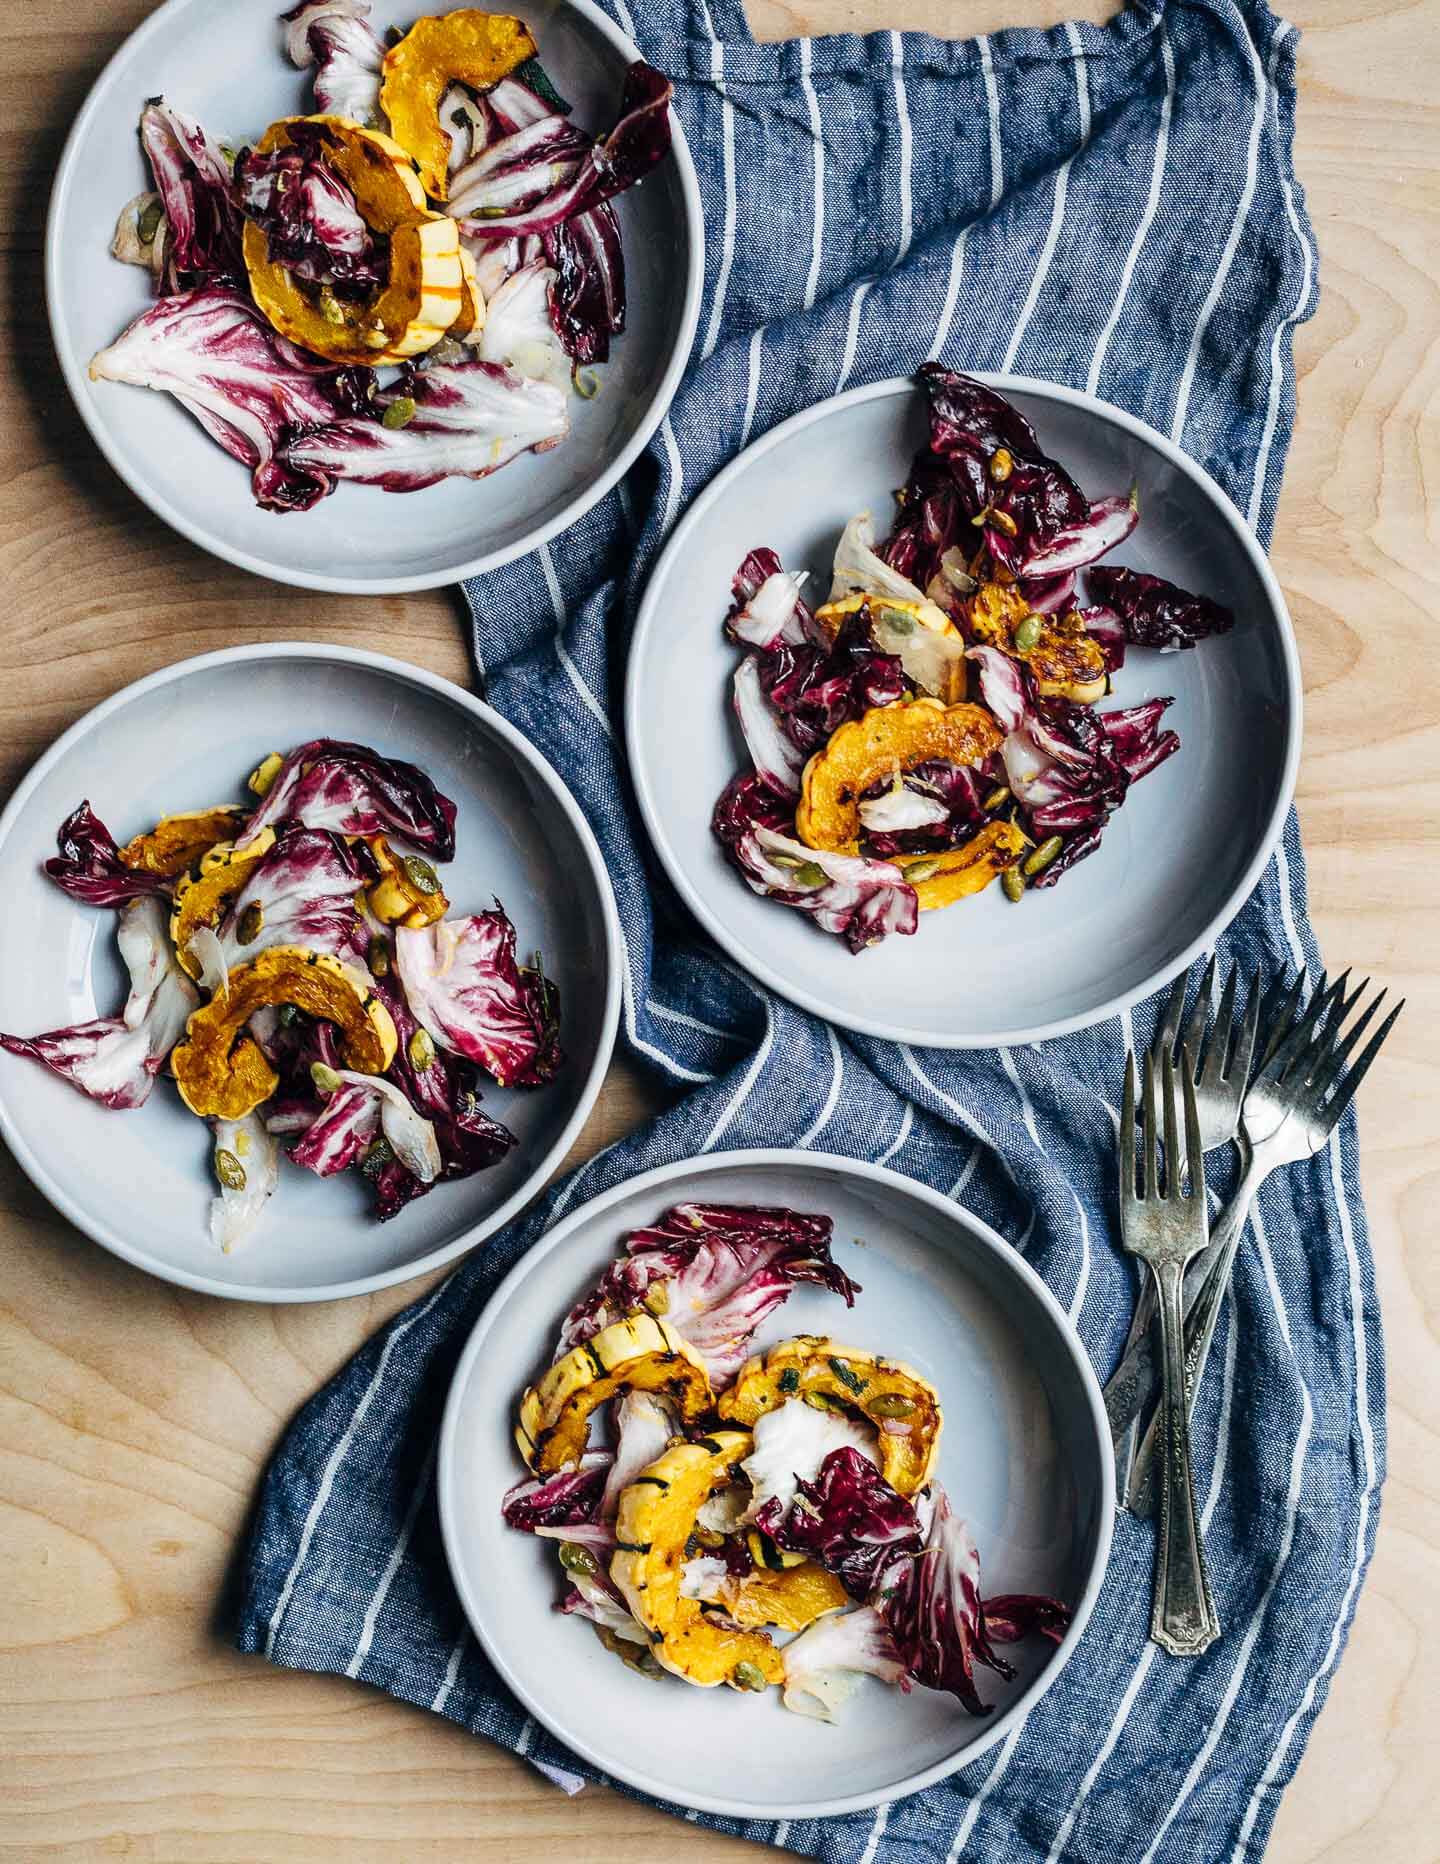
(858, 570)
(773, 613)
(337, 38)
(470, 419)
(466, 990)
(115, 1059)
(778, 760)
(824, 1664)
(644, 1424)
(302, 893)
(245, 1191)
(517, 329)
(860, 900)
(790, 1445)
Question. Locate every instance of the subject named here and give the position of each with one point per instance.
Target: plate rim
(646, 787)
(977, 1231)
(72, 369)
(486, 719)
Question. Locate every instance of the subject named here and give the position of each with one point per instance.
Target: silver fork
(1292, 1108)
(1166, 1230)
(1221, 1073)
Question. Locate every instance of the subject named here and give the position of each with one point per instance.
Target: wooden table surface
(136, 1418)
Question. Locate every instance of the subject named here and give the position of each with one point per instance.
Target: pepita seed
(264, 773)
(377, 1158)
(1013, 883)
(577, 1559)
(1002, 464)
(420, 874)
(421, 1051)
(229, 1170)
(377, 956)
(657, 1298)
(922, 870)
(1004, 522)
(707, 1537)
(810, 874)
(1028, 633)
(747, 1676)
(147, 222)
(587, 384)
(897, 620)
(1042, 857)
(325, 1078)
(400, 413)
(890, 1404)
(252, 923)
(997, 799)
(820, 1401)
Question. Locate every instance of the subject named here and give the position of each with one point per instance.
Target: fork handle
(1200, 1323)
(1183, 1620)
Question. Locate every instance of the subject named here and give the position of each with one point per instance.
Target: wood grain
(134, 1418)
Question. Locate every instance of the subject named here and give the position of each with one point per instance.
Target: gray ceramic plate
(225, 66)
(1025, 1459)
(139, 1182)
(1177, 861)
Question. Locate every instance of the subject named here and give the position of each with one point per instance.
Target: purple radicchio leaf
(337, 38)
(746, 803)
(933, 519)
(767, 607)
(249, 389)
(639, 140)
(1013, 1617)
(861, 901)
(1105, 627)
(817, 689)
(937, 806)
(352, 790)
(88, 866)
(309, 214)
(1155, 613)
(115, 1059)
(1108, 522)
(195, 186)
(587, 295)
(1049, 595)
(469, 420)
(777, 759)
(514, 171)
(343, 1131)
(849, 1520)
(570, 1498)
(723, 1268)
(304, 889)
(467, 991)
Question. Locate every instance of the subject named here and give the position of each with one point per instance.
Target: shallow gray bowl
(1025, 1459)
(140, 1182)
(225, 65)
(1177, 862)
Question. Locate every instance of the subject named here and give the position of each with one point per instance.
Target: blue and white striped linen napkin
(1112, 208)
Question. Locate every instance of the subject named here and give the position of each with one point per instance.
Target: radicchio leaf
(931, 1602)
(861, 901)
(793, 1443)
(201, 211)
(469, 420)
(767, 606)
(341, 1134)
(748, 802)
(236, 1209)
(777, 760)
(823, 1664)
(88, 866)
(115, 1059)
(848, 1519)
(1017, 1614)
(857, 569)
(309, 215)
(1155, 613)
(938, 806)
(337, 38)
(567, 1499)
(518, 332)
(248, 388)
(644, 1425)
(303, 893)
(716, 1271)
(512, 172)
(468, 992)
(1108, 522)
(352, 790)
(587, 293)
(815, 689)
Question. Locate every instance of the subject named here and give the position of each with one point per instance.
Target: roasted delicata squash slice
(942, 879)
(471, 320)
(425, 289)
(790, 1599)
(408, 892)
(903, 1407)
(887, 740)
(1065, 662)
(178, 841)
(641, 1352)
(464, 47)
(652, 1530)
(222, 1072)
(202, 895)
(831, 615)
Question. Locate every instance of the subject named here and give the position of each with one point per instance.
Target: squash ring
(468, 47)
(966, 870)
(202, 895)
(178, 841)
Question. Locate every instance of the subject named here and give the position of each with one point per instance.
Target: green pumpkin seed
(147, 222)
(922, 870)
(1013, 882)
(326, 1080)
(377, 956)
(377, 1158)
(421, 1051)
(400, 413)
(820, 1401)
(747, 1676)
(810, 874)
(897, 620)
(997, 799)
(587, 384)
(290, 1014)
(420, 874)
(657, 1298)
(1027, 634)
(264, 773)
(577, 1559)
(790, 1379)
(1002, 464)
(252, 923)
(890, 1404)
(847, 1375)
(707, 1538)
(332, 311)
(229, 1170)
(1042, 857)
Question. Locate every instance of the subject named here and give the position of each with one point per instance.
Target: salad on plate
(741, 1494)
(405, 285)
(939, 722)
(295, 969)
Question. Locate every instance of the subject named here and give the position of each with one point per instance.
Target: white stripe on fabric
(977, 1802)
(992, 103)
(742, 1093)
(1027, 1116)
(1287, 910)
(895, 1145)
(622, 15)
(958, 1188)
(581, 1173)
(1057, 212)
(817, 143)
(952, 296)
(684, 1017)
(1272, 410)
(572, 672)
(332, 1465)
(677, 476)
(907, 140)
(1147, 219)
(852, 334)
(727, 148)
(452, 1671)
(1232, 245)
(877, 1832)
(780, 1834)
(1102, 1754)
(392, 1567)
(832, 1099)
(752, 385)
(627, 1003)
(966, 1119)
(527, 1735)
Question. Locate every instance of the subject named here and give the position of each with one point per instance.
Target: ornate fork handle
(1183, 1620)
